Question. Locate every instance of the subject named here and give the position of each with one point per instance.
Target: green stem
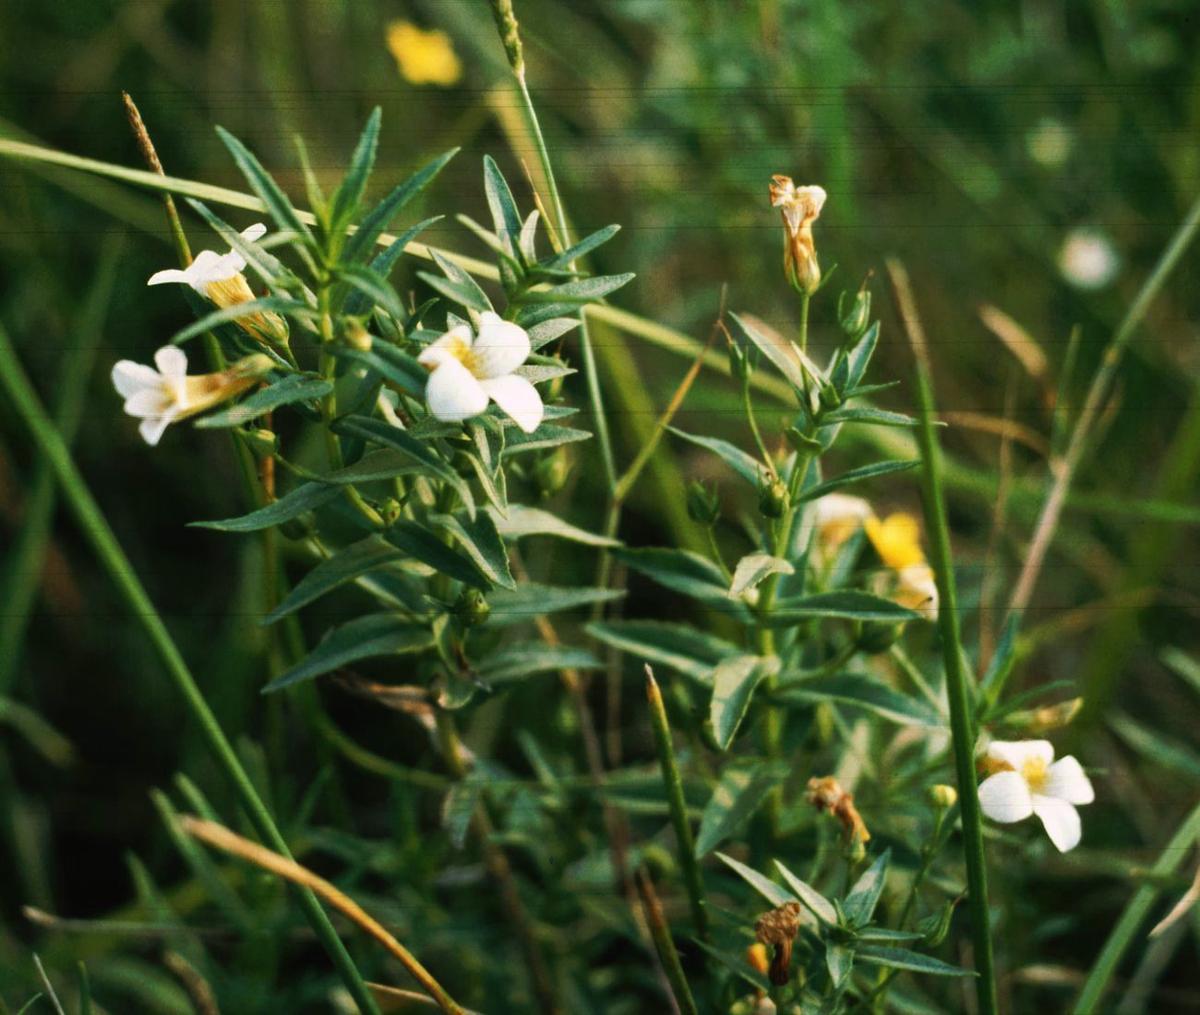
(805, 299)
(664, 945)
(961, 725)
(1123, 933)
(684, 844)
(96, 529)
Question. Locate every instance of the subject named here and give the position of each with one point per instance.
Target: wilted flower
(466, 373)
(160, 397)
(826, 794)
(778, 928)
(1028, 780)
(1088, 259)
(219, 278)
(423, 57)
(799, 207)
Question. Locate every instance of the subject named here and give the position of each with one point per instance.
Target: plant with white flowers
(1028, 781)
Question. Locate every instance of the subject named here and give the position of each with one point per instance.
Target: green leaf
(458, 807)
(359, 303)
(1156, 747)
(775, 894)
(856, 476)
(527, 521)
(376, 634)
(581, 290)
(737, 796)
(380, 431)
(291, 505)
(261, 182)
(813, 900)
(529, 600)
(457, 284)
(546, 436)
(391, 363)
(682, 571)
(380, 217)
(733, 683)
(354, 184)
(860, 355)
(385, 463)
(1000, 666)
(902, 958)
(374, 287)
(839, 960)
(584, 246)
(865, 692)
(482, 543)
(293, 388)
(860, 902)
(755, 568)
(347, 564)
(883, 934)
(776, 348)
(515, 662)
(541, 335)
(505, 217)
(746, 466)
(424, 545)
(677, 646)
(846, 604)
(239, 311)
(863, 414)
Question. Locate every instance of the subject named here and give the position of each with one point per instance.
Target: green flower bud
(551, 472)
(262, 443)
(389, 511)
(877, 636)
(942, 796)
(703, 505)
(739, 366)
(830, 397)
(472, 608)
(856, 315)
(773, 497)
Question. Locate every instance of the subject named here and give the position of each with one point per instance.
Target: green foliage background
(668, 117)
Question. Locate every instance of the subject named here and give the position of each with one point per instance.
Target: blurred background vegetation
(970, 140)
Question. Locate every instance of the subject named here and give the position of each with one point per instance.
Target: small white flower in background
(837, 516)
(1050, 142)
(1088, 259)
(160, 397)
(1028, 780)
(219, 278)
(916, 589)
(467, 373)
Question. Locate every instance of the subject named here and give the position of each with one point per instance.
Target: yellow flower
(424, 58)
(897, 540)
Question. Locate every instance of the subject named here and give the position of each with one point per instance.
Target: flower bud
(551, 472)
(356, 336)
(856, 314)
(1037, 721)
(703, 505)
(942, 796)
(739, 367)
(472, 608)
(389, 511)
(261, 442)
(264, 326)
(757, 958)
(877, 636)
(773, 497)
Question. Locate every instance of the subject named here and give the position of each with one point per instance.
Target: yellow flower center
(1035, 771)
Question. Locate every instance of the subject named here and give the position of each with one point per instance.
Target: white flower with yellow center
(160, 397)
(467, 372)
(1028, 780)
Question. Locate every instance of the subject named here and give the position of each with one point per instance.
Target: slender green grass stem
(1123, 933)
(96, 529)
(684, 844)
(961, 725)
(660, 931)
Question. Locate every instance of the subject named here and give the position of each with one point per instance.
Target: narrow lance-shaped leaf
(860, 902)
(527, 521)
(775, 894)
(423, 545)
(347, 564)
(813, 900)
(857, 476)
(293, 388)
(505, 217)
(737, 796)
(901, 958)
(354, 184)
(290, 505)
(680, 647)
(755, 568)
(481, 542)
(733, 684)
(262, 183)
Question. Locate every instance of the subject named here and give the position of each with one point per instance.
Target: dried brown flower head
(778, 927)
(826, 794)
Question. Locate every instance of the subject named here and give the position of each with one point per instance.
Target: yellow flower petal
(423, 58)
(897, 540)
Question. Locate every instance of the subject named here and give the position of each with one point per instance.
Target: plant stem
(1123, 933)
(661, 932)
(805, 300)
(684, 844)
(961, 724)
(96, 529)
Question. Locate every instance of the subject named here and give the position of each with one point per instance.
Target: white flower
(466, 373)
(208, 267)
(916, 588)
(1088, 260)
(837, 516)
(160, 397)
(1029, 781)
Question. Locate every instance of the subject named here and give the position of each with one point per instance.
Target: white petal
(1015, 753)
(152, 429)
(209, 266)
(516, 396)
(1065, 780)
(129, 377)
(171, 362)
(149, 402)
(453, 345)
(500, 347)
(170, 275)
(838, 507)
(453, 393)
(1005, 797)
(1061, 821)
(255, 232)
